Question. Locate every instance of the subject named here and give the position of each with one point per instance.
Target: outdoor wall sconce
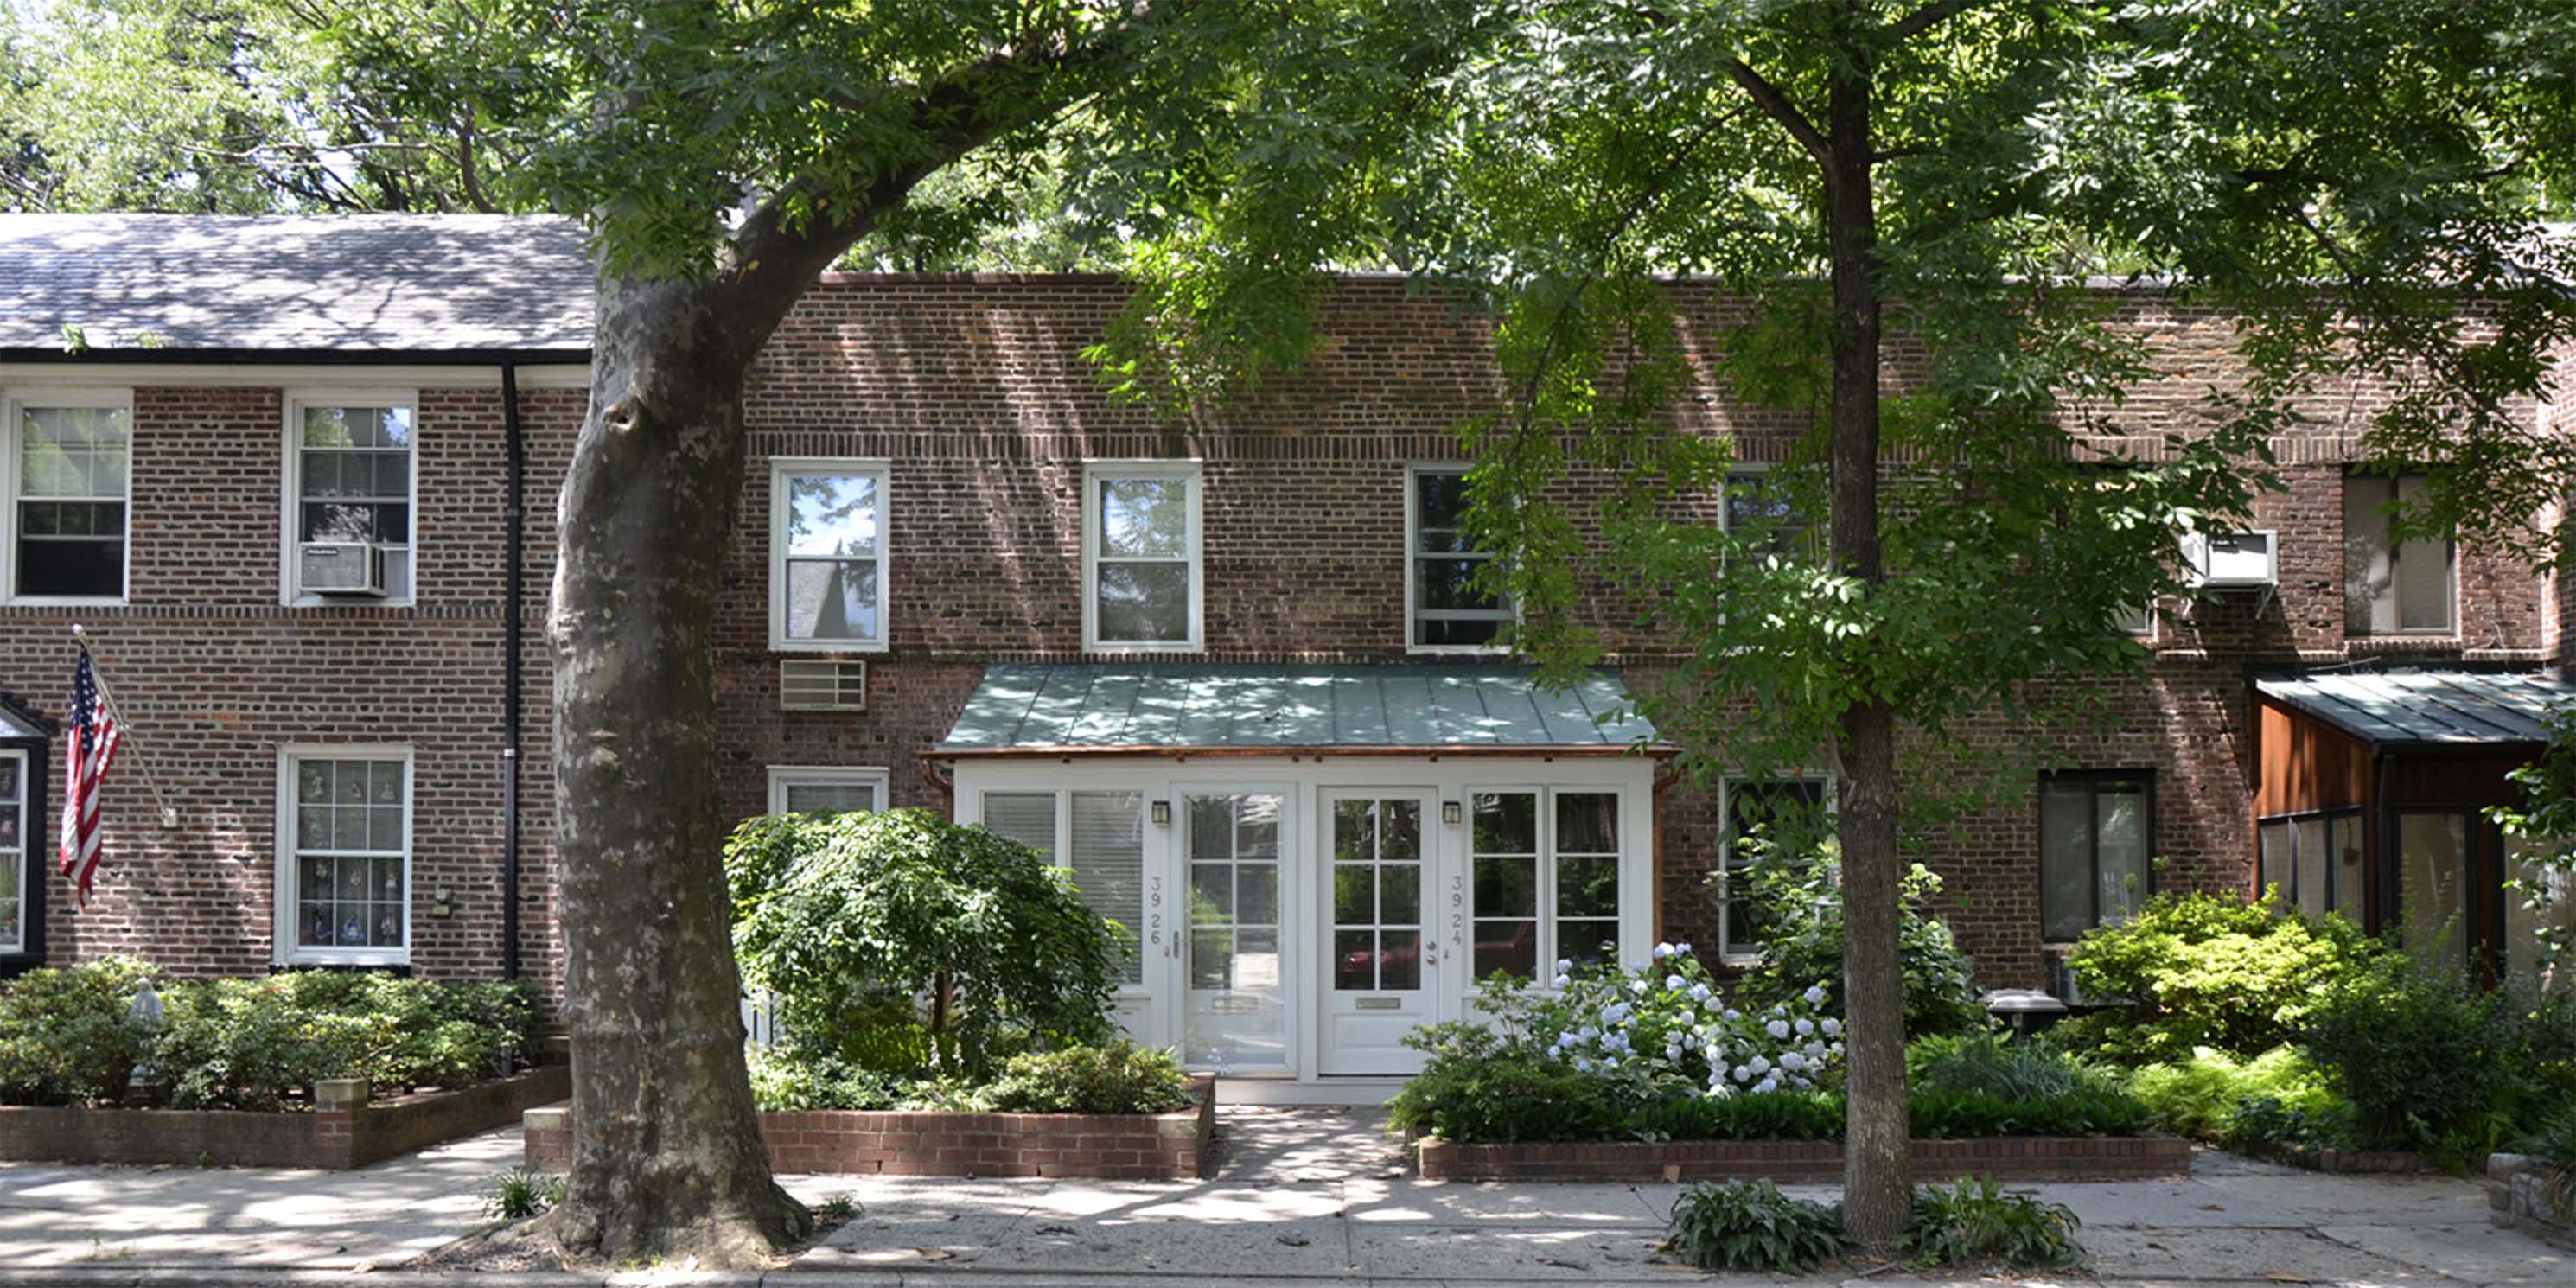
(1452, 813)
(1162, 813)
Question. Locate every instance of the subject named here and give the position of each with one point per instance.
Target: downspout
(513, 589)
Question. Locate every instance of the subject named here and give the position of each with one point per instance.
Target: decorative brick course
(343, 1130)
(2006, 1158)
(1171, 1146)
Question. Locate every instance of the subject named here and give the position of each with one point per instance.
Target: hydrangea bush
(1663, 1026)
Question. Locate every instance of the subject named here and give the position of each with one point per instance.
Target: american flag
(93, 740)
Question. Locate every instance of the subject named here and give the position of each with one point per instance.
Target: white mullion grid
(290, 562)
(16, 857)
(1415, 557)
(880, 473)
(289, 947)
(13, 409)
(1096, 475)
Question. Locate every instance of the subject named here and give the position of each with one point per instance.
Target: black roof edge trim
(300, 357)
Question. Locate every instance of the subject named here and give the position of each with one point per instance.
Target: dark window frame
(2326, 816)
(2095, 779)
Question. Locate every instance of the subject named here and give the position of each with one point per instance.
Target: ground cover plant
(1976, 1222)
(66, 1037)
(1751, 1226)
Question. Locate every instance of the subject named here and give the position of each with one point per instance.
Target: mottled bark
(1877, 1165)
(667, 1156)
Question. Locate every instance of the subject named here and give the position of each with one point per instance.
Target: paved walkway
(1303, 1198)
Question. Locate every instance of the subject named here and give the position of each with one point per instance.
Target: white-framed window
(1759, 505)
(827, 555)
(1097, 835)
(1445, 611)
(15, 887)
(1544, 878)
(344, 818)
(70, 484)
(352, 492)
(2393, 588)
(1141, 578)
(826, 789)
(1784, 807)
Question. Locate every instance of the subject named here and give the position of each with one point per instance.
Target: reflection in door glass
(1506, 883)
(1237, 1013)
(1377, 895)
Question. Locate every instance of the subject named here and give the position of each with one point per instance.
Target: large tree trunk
(667, 1156)
(1877, 1166)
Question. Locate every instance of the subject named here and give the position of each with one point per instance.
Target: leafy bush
(850, 917)
(1480, 1086)
(799, 1080)
(64, 1038)
(1940, 1113)
(2427, 1061)
(1117, 1078)
(1752, 1226)
(2210, 970)
(1795, 902)
(250, 1043)
(2024, 1069)
(1979, 1221)
(2204, 1094)
(1777, 1115)
(519, 1194)
(1663, 1028)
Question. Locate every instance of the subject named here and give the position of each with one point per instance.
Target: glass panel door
(1383, 957)
(1236, 1012)
(2433, 868)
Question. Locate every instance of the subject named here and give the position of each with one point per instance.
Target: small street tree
(1913, 206)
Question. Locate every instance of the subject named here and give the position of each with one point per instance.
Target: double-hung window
(70, 467)
(15, 888)
(2314, 860)
(1100, 837)
(802, 789)
(1545, 879)
(2392, 587)
(344, 834)
(827, 555)
(351, 494)
(1788, 812)
(2096, 833)
(1141, 578)
(1446, 610)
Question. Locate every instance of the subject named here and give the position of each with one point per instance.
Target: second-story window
(1761, 507)
(350, 482)
(70, 458)
(827, 554)
(1140, 555)
(1445, 608)
(2392, 587)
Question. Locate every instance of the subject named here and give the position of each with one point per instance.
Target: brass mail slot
(1379, 1003)
(1233, 1004)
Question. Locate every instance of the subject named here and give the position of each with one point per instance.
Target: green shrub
(1796, 906)
(1492, 1092)
(848, 917)
(1978, 1221)
(2023, 1069)
(1777, 1115)
(520, 1193)
(798, 1080)
(251, 1043)
(1752, 1226)
(1116, 1078)
(2210, 970)
(1942, 1113)
(64, 1038)
(2202, 1095)
(2427, 1061)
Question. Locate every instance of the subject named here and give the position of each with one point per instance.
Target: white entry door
(1238, 994)
(1379, 932)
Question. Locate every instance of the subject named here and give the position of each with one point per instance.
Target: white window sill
(1131, 650)
(778, 645)
(1456, 650)
(349, 601)
(66, 601)
(386, 957)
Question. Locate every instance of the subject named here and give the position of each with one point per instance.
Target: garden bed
(928, 1142)
(2028, 1158)
(343, 1130)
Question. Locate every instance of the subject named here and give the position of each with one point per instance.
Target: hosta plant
(1752, 1226)
(1978, 1221)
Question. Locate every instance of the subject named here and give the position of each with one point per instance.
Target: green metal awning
(1024, 709)
(2425, 708)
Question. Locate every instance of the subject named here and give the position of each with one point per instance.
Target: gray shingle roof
(2425, 707)
(1105, 707)
(348, 283)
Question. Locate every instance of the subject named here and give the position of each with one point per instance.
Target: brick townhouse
(295, 479)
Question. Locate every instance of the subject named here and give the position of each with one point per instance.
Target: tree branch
(1929, 16)
(1769, 98)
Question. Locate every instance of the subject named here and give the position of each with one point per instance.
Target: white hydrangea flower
(1674, 982)
(1734, 1014)
(1563, 980)
(1700, 992)
(1582, 1065)
(1663, 951)
(1815, 995)
(1637, 986)
(1743, 1074)
(1805, 1027)
(1777, 1028)
(1833, 1027)
(1759, 1064)
(1767, 1084)
(1792, 1061)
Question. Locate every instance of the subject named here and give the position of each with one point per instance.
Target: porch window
(1105, 853)
(2096, 831)
(1545, 877)
(2432, 886)
(1447, 611)
(1786, 810)
(2545, 900)
(13, 852)
(826, 790)
(71, 475)
(1140, 546)
(346, 819)
(2392, 587)
(2314, 861)
(350, 480)
(827, 555)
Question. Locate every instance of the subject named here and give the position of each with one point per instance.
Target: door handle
(1431, 952)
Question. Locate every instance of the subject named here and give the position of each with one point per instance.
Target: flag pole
(107, 702)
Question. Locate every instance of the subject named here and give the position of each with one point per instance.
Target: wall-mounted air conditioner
(817, 684)
(342, 568)
(2231, 560)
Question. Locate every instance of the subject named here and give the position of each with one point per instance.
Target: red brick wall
(976, 389)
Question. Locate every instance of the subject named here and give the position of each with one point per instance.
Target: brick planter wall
(2036, 1158)
(913, 1142)
(344, 1130)
(2356, 1160)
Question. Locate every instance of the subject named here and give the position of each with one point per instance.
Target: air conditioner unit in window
(813, 684)
(2231, 560)
(342, 568)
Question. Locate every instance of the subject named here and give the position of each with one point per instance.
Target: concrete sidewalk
(1303, 1198)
